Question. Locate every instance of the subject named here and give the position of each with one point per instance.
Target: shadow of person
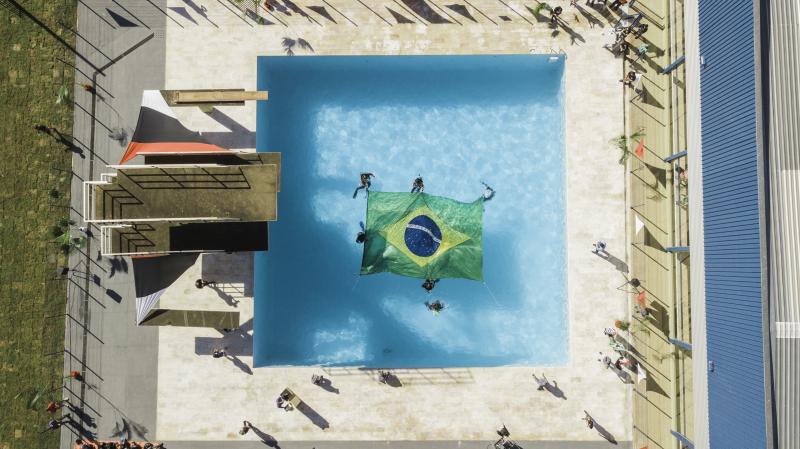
(622, 374)
(605, 433)
(553, 388)
(326, 385)
(229, 300)
(62, 139)
(589, 17)
(620, 266)
(312, 414)
(266, 438)
(82, 416)
(239, 364)
(391, 380)
(117, 264)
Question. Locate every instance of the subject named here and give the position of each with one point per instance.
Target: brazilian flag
(423, 236)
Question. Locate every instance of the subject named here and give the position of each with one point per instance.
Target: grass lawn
(30, 77)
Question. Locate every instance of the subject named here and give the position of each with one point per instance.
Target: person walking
(418, 185)
(365, 183)
(600, 248)
(541, 382)
(54, 406)
(554, 13)
(246, 426)
(218, 353)
(200, 283)
(610, 332)
(606, 360)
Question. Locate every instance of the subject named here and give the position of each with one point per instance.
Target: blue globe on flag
(422, 236)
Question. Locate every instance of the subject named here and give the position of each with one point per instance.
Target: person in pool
(435, 307)
(361, 237)
(488, 194)
(429, 284)
(417, 185)
(366, 182)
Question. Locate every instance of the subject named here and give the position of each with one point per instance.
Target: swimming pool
(455, 120)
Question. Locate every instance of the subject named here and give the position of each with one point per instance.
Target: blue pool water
(456, 120)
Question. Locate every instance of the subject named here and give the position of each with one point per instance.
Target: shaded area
(183, 12)
(200, 10)
(618, 263)
(399, 17)
(312, 414)
(327, 385)
(555, 390)
(424, 10)
(605, 433)
(461, 9)
(323, 12)
(121, 21)
(237, 342)
(266, 438)
(63, 139)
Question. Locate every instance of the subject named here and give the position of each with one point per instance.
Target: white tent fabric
(145, 304)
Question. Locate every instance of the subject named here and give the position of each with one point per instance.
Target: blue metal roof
(732, 227)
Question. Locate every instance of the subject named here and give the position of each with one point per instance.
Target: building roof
(168, 237)
(733, 225)
(243, 192)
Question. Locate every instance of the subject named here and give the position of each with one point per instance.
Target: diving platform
(212, 97)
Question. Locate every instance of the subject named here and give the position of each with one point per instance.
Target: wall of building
(784, 216)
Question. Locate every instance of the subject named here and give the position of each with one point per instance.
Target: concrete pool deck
(433, 404)
(199, 398)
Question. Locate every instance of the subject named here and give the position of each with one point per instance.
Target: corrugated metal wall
(732, 225)
(784, 189)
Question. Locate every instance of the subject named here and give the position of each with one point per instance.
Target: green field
(34, 196)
